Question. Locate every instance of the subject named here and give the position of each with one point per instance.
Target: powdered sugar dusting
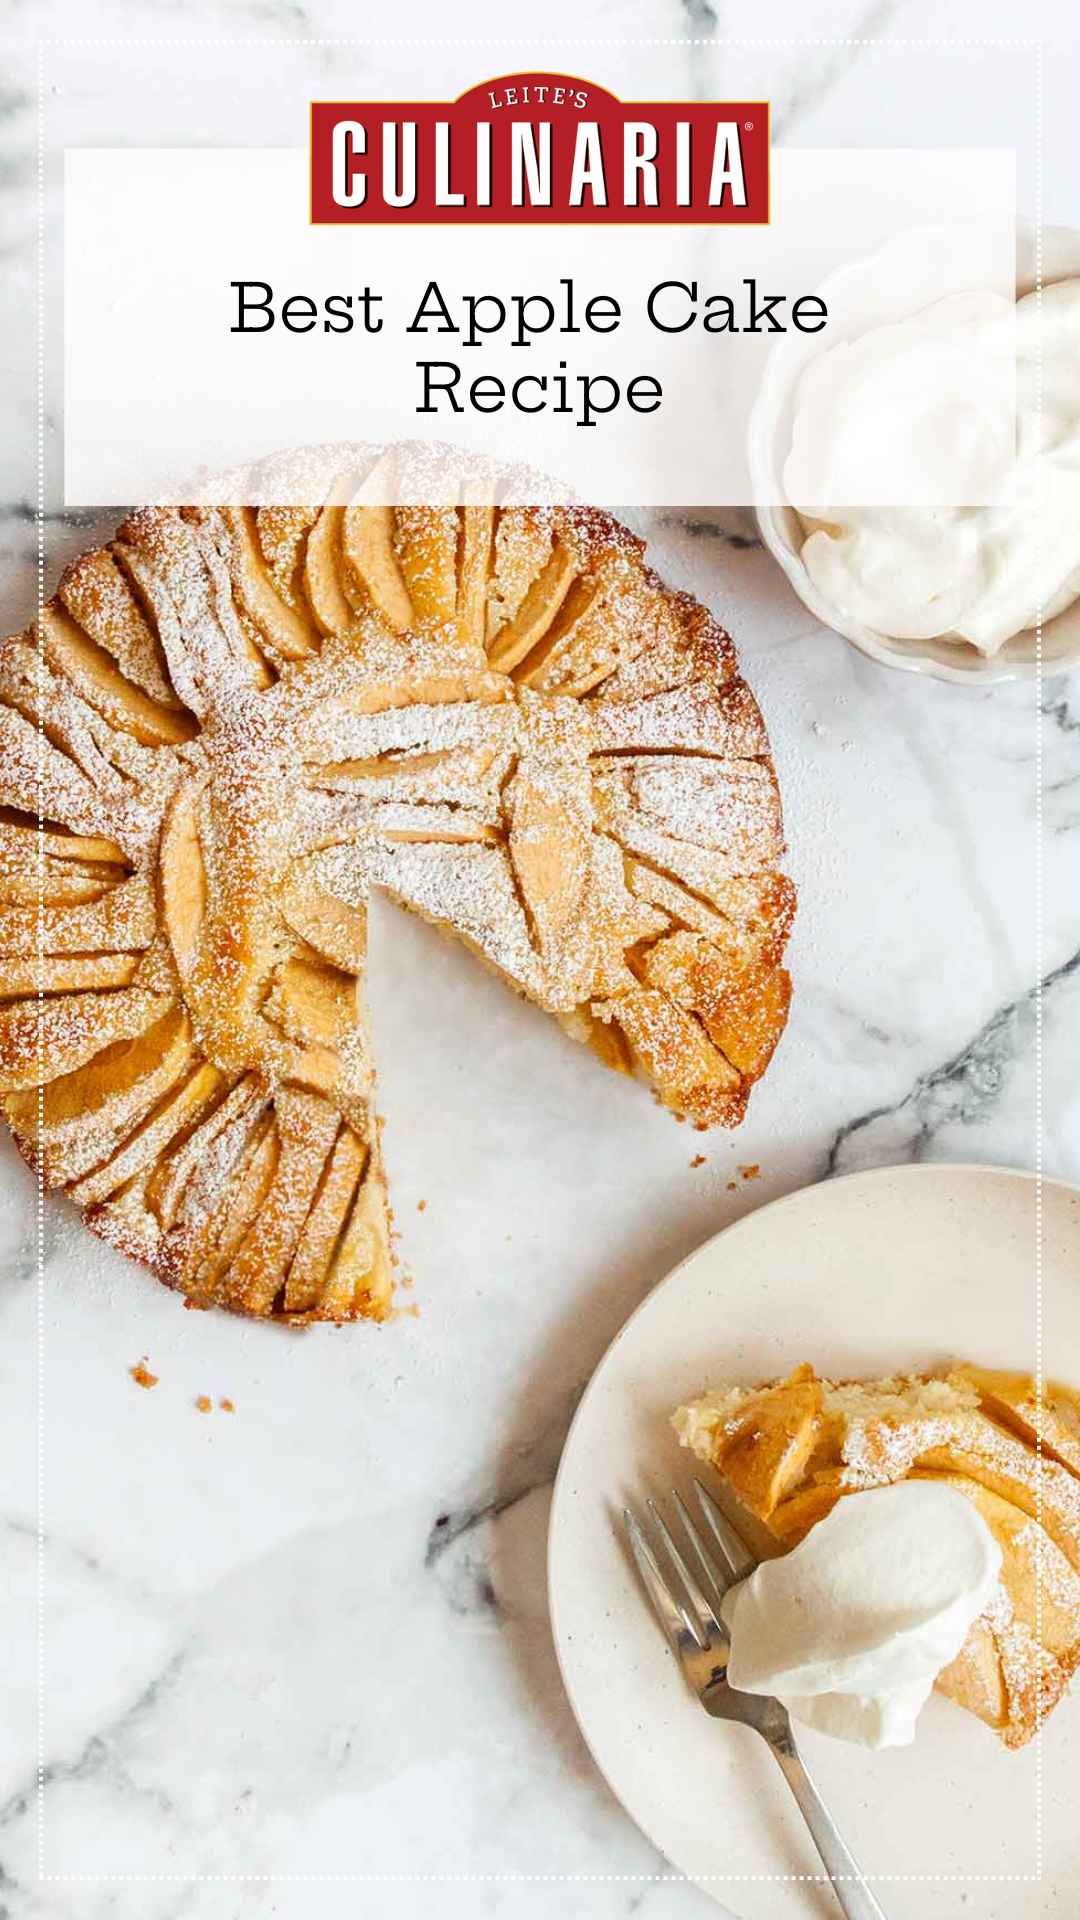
(322, 693)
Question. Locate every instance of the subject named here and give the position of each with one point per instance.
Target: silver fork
(700, 1641)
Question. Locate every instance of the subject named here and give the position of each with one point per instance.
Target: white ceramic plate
(878, 1272)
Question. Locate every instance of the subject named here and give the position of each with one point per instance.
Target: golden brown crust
(248, 718)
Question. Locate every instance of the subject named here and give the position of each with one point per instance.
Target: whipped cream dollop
(852, 1627)
(920, 413)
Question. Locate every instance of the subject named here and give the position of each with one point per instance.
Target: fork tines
(688, 1605)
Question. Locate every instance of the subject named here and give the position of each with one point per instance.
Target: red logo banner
(540, 147)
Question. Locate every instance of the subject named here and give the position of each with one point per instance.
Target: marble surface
(296, 1658)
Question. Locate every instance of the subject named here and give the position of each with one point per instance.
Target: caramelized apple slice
(322, 573)
(65, 973)
(99, 599)
(95, 675)
(212, 1146)
(79, 1115)
(764, 1441)
(359, 1277)
(517, 638)
(306, 1127)
(478, 533)
(522, 549)
(701, 716)
(281, 533)
(691, 1075)
(996, 1459)
(40, 1043)
(323, 1228)
(426, 541)
(1013, 1398)
(371, 572)
(549, 852)
(163, 1119)
(742, 1008)
(287, 631)
(207, 1241)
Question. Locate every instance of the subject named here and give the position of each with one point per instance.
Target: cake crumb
(142, 1375)
(204, 1403)
(752, 1172)
(227, 1405)
(421, 1206)
(731, 1185)
(698, 1160)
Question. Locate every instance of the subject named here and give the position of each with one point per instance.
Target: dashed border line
(926, 44)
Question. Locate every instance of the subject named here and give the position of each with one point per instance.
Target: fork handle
(851, 1890)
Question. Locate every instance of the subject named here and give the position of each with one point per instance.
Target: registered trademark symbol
(748, 126)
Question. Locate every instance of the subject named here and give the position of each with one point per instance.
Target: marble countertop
(296, 1658)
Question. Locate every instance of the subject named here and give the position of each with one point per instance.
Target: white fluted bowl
(892, 290)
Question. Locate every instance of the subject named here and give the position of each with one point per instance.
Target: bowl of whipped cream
(934, 383)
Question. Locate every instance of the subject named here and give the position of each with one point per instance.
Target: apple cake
(787, 1452)
(230, 724)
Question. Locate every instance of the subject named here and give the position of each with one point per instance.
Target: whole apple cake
(229, 725)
